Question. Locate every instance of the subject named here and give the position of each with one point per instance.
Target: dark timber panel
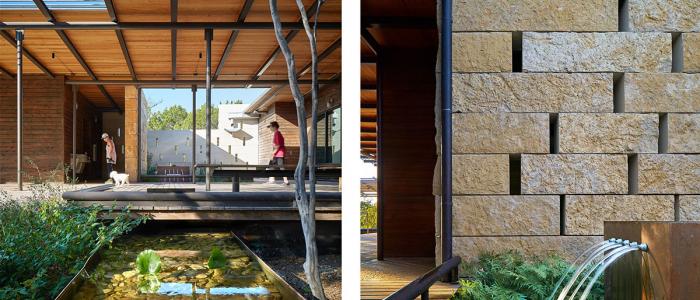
(407, 145)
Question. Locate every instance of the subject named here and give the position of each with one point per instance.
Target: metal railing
(421, 286)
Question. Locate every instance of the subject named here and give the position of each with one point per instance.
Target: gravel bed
(292, 270)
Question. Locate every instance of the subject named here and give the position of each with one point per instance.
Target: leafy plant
(217, 260)
(368, 214)
(510, 275)
(45, 241)
(148, 262)
(148, 265)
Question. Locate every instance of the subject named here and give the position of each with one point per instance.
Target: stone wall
(569, 114)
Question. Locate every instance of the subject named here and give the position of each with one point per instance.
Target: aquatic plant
(217, 260)
(510, 275)
(45, 241)
(148, 265)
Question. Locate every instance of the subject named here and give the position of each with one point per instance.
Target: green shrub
(45, 241)
(511, 276)
(368, 214)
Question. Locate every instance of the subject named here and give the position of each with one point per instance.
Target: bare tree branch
(306, 203)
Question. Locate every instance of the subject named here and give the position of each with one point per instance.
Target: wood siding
(407, 152)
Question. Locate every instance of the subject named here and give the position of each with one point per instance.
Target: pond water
(184, 270)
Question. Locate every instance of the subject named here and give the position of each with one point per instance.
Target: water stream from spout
(576, 261)
(596, 266)
(594, 254)
(606, 265)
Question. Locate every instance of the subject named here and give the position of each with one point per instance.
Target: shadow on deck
(380, 278)
(186, 201)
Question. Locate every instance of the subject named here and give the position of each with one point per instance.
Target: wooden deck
(259, 201)
(380, 279)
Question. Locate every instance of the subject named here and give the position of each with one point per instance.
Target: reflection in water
(179, 288)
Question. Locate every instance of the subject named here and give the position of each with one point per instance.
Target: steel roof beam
(232, 39)
(47, 13)
(259, 82)
(290, 36)
(120, 37)
(161, 25)
(6, 36)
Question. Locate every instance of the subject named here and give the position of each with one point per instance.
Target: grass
(45, 241)
(510, 275)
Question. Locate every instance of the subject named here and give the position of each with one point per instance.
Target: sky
(183, 97)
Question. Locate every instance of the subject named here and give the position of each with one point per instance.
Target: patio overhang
(111, 50)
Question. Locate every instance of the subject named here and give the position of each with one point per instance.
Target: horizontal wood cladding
(407, 152)
(44, 131)
(285, 114)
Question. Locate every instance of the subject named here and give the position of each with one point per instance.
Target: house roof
(164, 54)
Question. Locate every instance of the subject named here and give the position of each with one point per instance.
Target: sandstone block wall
(568, 114)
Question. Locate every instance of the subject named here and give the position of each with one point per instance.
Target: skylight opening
(53, 5)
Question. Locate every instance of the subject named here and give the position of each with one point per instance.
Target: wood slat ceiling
(150, 50)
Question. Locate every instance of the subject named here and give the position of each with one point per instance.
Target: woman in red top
(278, 149)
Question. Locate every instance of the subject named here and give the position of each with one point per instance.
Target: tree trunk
(306, 203)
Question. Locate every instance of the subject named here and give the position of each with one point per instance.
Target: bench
(236, 172)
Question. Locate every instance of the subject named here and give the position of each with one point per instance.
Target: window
(217, 141)
(329, 136)
(244, 141)
(229, 149)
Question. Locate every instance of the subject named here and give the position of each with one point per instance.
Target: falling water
(615, 248)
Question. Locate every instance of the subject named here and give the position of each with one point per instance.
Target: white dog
(119, 179)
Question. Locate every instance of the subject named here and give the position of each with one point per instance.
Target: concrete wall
(568, 114)
(230, 144)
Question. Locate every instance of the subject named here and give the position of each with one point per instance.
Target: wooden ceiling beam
(232, 39)
(62, 34)
(6, 36)
(120, 37)
(290, 36)
(173, 39)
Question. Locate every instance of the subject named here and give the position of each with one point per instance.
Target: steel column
(194, 132)
(74, 112)
(20, 95)
(208, 34)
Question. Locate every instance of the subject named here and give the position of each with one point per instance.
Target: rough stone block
(608, 133)
(482, 52)
(469, 248)
(684, 133)
(664, 15)
(574, 174)
(691, 52)
(500, 133)
(534, 15)
(505, 215)
(669, 174)
(534, 92)
(662, 92)
(689, 208)
(597, 52)
(480, 174)
(585, 214)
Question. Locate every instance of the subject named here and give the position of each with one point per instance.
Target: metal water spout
(632, 247)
